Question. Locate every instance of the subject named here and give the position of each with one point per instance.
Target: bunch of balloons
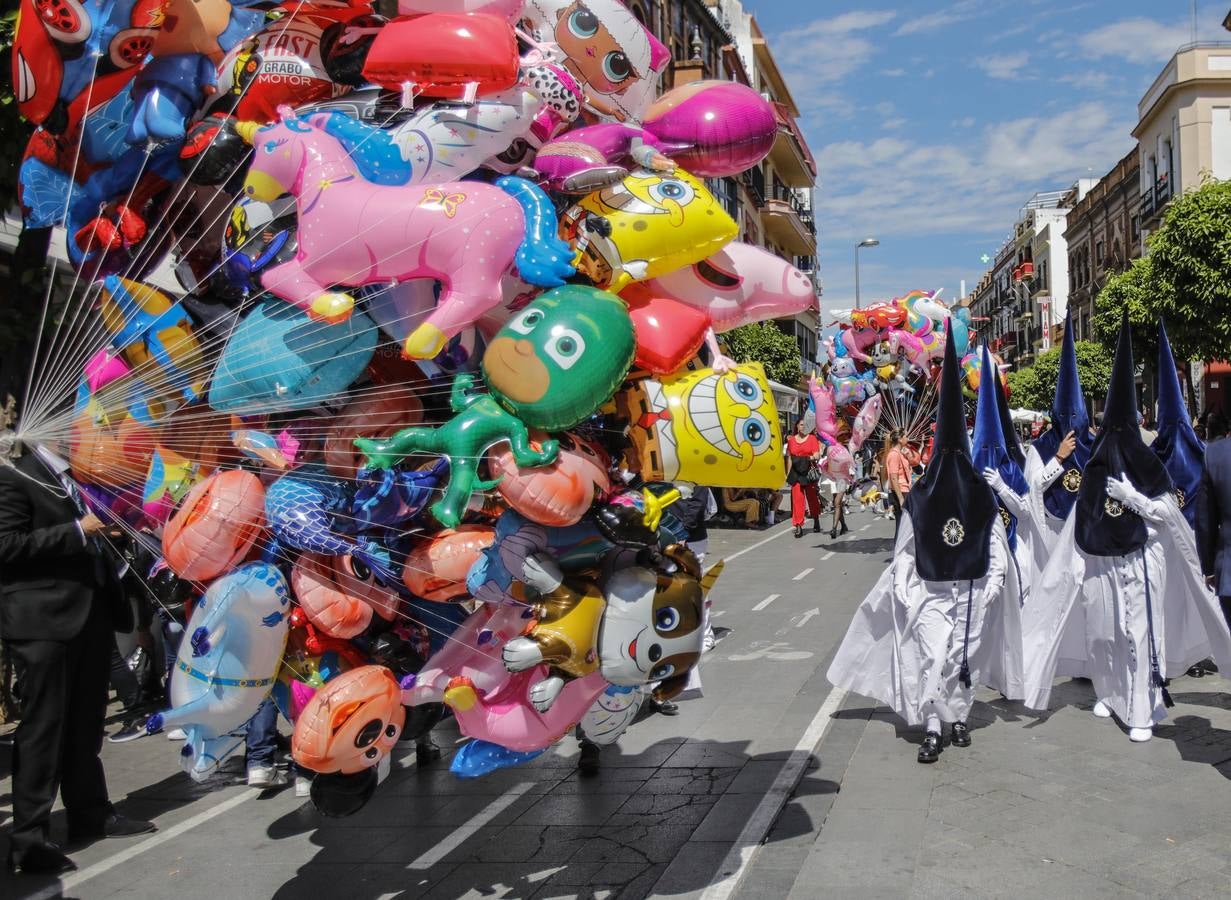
(891, 350)
(411, 431)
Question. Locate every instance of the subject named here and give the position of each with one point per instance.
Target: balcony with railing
(1155, 199)
(790, 156)
(788, 221)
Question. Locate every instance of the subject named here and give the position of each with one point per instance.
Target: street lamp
(866, 242)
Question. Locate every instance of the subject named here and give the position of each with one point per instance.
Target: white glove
(1121, 489)
(992, 477)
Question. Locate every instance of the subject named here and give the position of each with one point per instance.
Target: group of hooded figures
(1076, 558)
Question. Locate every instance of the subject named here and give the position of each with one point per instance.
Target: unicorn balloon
(464, 234)
(227, 664)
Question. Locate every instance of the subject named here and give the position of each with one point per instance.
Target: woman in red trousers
(803, 451)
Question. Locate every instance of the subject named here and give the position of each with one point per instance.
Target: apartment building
(1103, 233)
(1024, 295)
(1183, 128)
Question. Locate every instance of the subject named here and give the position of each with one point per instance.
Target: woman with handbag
(803, 451)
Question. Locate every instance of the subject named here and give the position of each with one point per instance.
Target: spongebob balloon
(720, 430)
(645, 226)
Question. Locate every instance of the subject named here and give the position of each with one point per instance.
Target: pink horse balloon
(839, 461)
(353, 232)
(736, 286)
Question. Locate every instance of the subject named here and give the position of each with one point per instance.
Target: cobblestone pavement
(772, 784)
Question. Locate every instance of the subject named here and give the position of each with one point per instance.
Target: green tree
(766, 343)
(1132, 290)
(1035, 386)
(1026, 389)
(1190, 268)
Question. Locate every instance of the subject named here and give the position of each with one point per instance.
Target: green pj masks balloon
(560, 358)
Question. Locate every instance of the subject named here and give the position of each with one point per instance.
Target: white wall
(1220, 142)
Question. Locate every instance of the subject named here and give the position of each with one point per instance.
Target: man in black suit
(1214, 513)
(60, 601)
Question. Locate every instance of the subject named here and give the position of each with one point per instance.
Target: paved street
(771, 785)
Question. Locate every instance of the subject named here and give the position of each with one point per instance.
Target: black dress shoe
(666, 708)
(929, 751)
(961, 735)
(115, 825)
(41, 859)
(799, 531)
(843, 529)
(816, 526)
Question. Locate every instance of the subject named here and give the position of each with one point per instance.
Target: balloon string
(155, 230)
(51, 278)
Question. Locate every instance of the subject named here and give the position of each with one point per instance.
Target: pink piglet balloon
(739, 285)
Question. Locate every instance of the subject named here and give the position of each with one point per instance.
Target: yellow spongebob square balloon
(712, 429)
(644, 226)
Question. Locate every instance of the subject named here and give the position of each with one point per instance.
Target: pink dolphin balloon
(473, 652)
(506, 716)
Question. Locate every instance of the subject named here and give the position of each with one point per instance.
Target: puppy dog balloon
(653, 629)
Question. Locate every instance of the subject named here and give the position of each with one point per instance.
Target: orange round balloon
(436, 569)
(215, 526)
(114, 453)
(338, 595)
(555, 495)
(351, 724)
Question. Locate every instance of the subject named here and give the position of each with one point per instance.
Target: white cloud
(1005, 66)
(903, 188)
(825, 51)
(894, 124)
(958, 12)
(894, 73)
(1090, 81)
(1137, 40)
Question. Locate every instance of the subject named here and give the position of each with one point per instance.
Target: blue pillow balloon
(278, 359)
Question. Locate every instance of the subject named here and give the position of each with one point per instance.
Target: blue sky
(934, 122)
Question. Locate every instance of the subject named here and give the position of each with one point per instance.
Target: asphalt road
(771, 784)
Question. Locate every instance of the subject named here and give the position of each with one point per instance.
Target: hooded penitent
(1105, 527)
(1006, 423)
(991, 447)
(1068, 413)
(951, 507)
(1177, 444)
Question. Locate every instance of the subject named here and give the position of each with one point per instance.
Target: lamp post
(866, 242)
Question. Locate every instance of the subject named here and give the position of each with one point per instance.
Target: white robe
(904, 645)
(1098, 603)
(1043, 537)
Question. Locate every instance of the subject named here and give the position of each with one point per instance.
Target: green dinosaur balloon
(550, 367)
(561, 357)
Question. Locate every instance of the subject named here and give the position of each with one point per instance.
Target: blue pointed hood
(990, 448)
(1068, 413)
(1177, 444)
